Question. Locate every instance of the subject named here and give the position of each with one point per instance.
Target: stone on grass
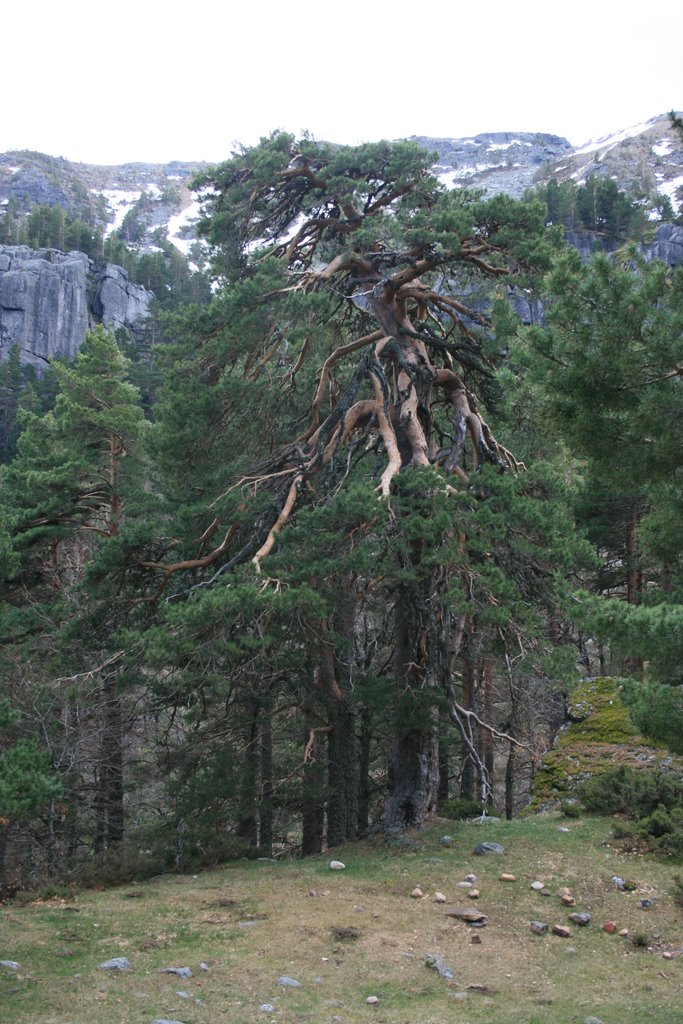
(561, 931)
(417, 893)
(470, 878)
(592, 1020)
(337, 865)
(474, 894)
(538, 927)
(446, 840)
(439, 897)
(645, 904)
(179, 972)
(438, 964)
(119, 963)
(581, 919)
(467, 914)
(537, 886)
(618, 882)
(12, 965)
(609, 927)
(203, 966)
(266, 1008)
(668, 955)
(164, 1020)
(568, 901)
(372, 1001)
(288, 982)
(506, 877)
(484, 848)
(624, 933)
(464, 885)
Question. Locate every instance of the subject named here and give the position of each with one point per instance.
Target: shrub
(652, 800)
(460, 807)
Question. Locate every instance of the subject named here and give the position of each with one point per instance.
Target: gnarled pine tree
(350, 339)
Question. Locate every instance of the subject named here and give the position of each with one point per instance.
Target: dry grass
(251, 923)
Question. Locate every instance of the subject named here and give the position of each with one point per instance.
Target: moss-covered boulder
(600, 735)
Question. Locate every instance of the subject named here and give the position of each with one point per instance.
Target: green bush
(653, 801)
(460, 807)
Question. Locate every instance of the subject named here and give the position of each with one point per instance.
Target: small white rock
(464, 885)
(470, 878)
(537, 886)
(337, 865)
(372, 1001)
(439, 897)
(417, 893)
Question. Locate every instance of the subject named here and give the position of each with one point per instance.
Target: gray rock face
(49, 299)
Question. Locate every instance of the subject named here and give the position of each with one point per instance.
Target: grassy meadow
(348, 935)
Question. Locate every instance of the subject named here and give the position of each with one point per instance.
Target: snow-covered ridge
(609, 141)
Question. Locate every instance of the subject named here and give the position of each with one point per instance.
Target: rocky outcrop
(49, 299)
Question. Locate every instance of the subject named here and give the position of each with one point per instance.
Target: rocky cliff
(49, 299)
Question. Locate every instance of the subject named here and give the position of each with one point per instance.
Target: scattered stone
(565, 891)
(568, 901)
(546, 892)
(645, 904)
(484, 848)
(609, 927)
(439, 897)
(446, 840)
(470, 878)
(184, 995)
(559, 929)
(460, 996)
(475, 939)
(563, 828)
(12, 965)
(417, 893)
(246, 924)
(537, 886)
(668, 955)
(506, 877)
(464, 885)
(337, 865)
(163, 1020)
(467, 914)
(624, 933)
(592, 1020)
(571, 950)
(372, 1001)
(538, 927)
(203, 966)
(266, 1008)
(180, 972)
(581, 919)
(119, 963)
(288, 982)
(474, 894)
(618, 882)
(438, 964)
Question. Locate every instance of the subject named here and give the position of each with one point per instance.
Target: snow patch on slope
(609, 141)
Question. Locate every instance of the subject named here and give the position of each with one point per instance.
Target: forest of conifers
(336, 550)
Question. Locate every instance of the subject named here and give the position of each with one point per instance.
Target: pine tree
(332, 384)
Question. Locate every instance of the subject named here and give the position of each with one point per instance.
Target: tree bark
(413, 768)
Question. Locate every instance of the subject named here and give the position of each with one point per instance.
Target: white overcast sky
(154, 81)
